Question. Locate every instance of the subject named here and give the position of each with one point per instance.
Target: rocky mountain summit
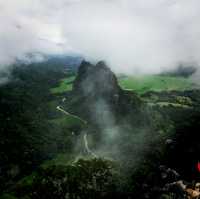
(96, 88)
(96, 81)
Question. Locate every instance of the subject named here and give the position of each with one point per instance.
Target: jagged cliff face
(99, 95)
(98, 92)
(96, 81)
(116, 119)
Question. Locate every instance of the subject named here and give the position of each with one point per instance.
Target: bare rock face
(97, 94)
(96, 81)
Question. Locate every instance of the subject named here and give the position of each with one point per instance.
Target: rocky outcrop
(97, 94)
(96, 81)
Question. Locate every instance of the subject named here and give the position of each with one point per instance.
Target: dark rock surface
(96, 81)
(98, 93)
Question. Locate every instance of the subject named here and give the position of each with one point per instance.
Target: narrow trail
(87, 147)
(69, 114)
(88, 150)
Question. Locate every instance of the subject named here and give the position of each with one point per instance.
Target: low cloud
(131, 36)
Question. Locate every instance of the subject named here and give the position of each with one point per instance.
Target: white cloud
(139, 35)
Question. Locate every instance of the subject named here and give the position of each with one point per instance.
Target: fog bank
(137, 36)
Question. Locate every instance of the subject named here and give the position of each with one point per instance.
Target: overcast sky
(130, 35)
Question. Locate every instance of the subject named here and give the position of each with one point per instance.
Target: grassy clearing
(65, 85)
(142, 84)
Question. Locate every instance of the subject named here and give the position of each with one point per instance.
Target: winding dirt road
(87, 147)
(69, 114)
(88, 150)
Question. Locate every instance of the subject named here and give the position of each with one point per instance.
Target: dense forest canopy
(95, 139)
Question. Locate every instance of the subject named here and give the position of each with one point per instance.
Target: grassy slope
(142, 84)
(65, 85)
(139, 84)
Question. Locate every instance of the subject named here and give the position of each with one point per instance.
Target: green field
(65, 85)
(142, 84)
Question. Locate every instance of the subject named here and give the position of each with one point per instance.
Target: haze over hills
(131, 36)
(99, 99)
(96, 124)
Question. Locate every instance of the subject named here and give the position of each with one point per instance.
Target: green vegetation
(82, 179)
(27, 181)
(163, 104)
(43, 149)
(67, 121)
(64, 85)
(60, 159)
(7, 196)
(28, 132)
(142, 84)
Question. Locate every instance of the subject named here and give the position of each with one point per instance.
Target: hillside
(140, 84)
(94, 134)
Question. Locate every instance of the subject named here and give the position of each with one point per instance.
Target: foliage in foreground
(94, 178)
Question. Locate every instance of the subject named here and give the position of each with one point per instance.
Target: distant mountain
(68, 62)
(96, 81)
(181, 71)
(97, 94)
(65, 62)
